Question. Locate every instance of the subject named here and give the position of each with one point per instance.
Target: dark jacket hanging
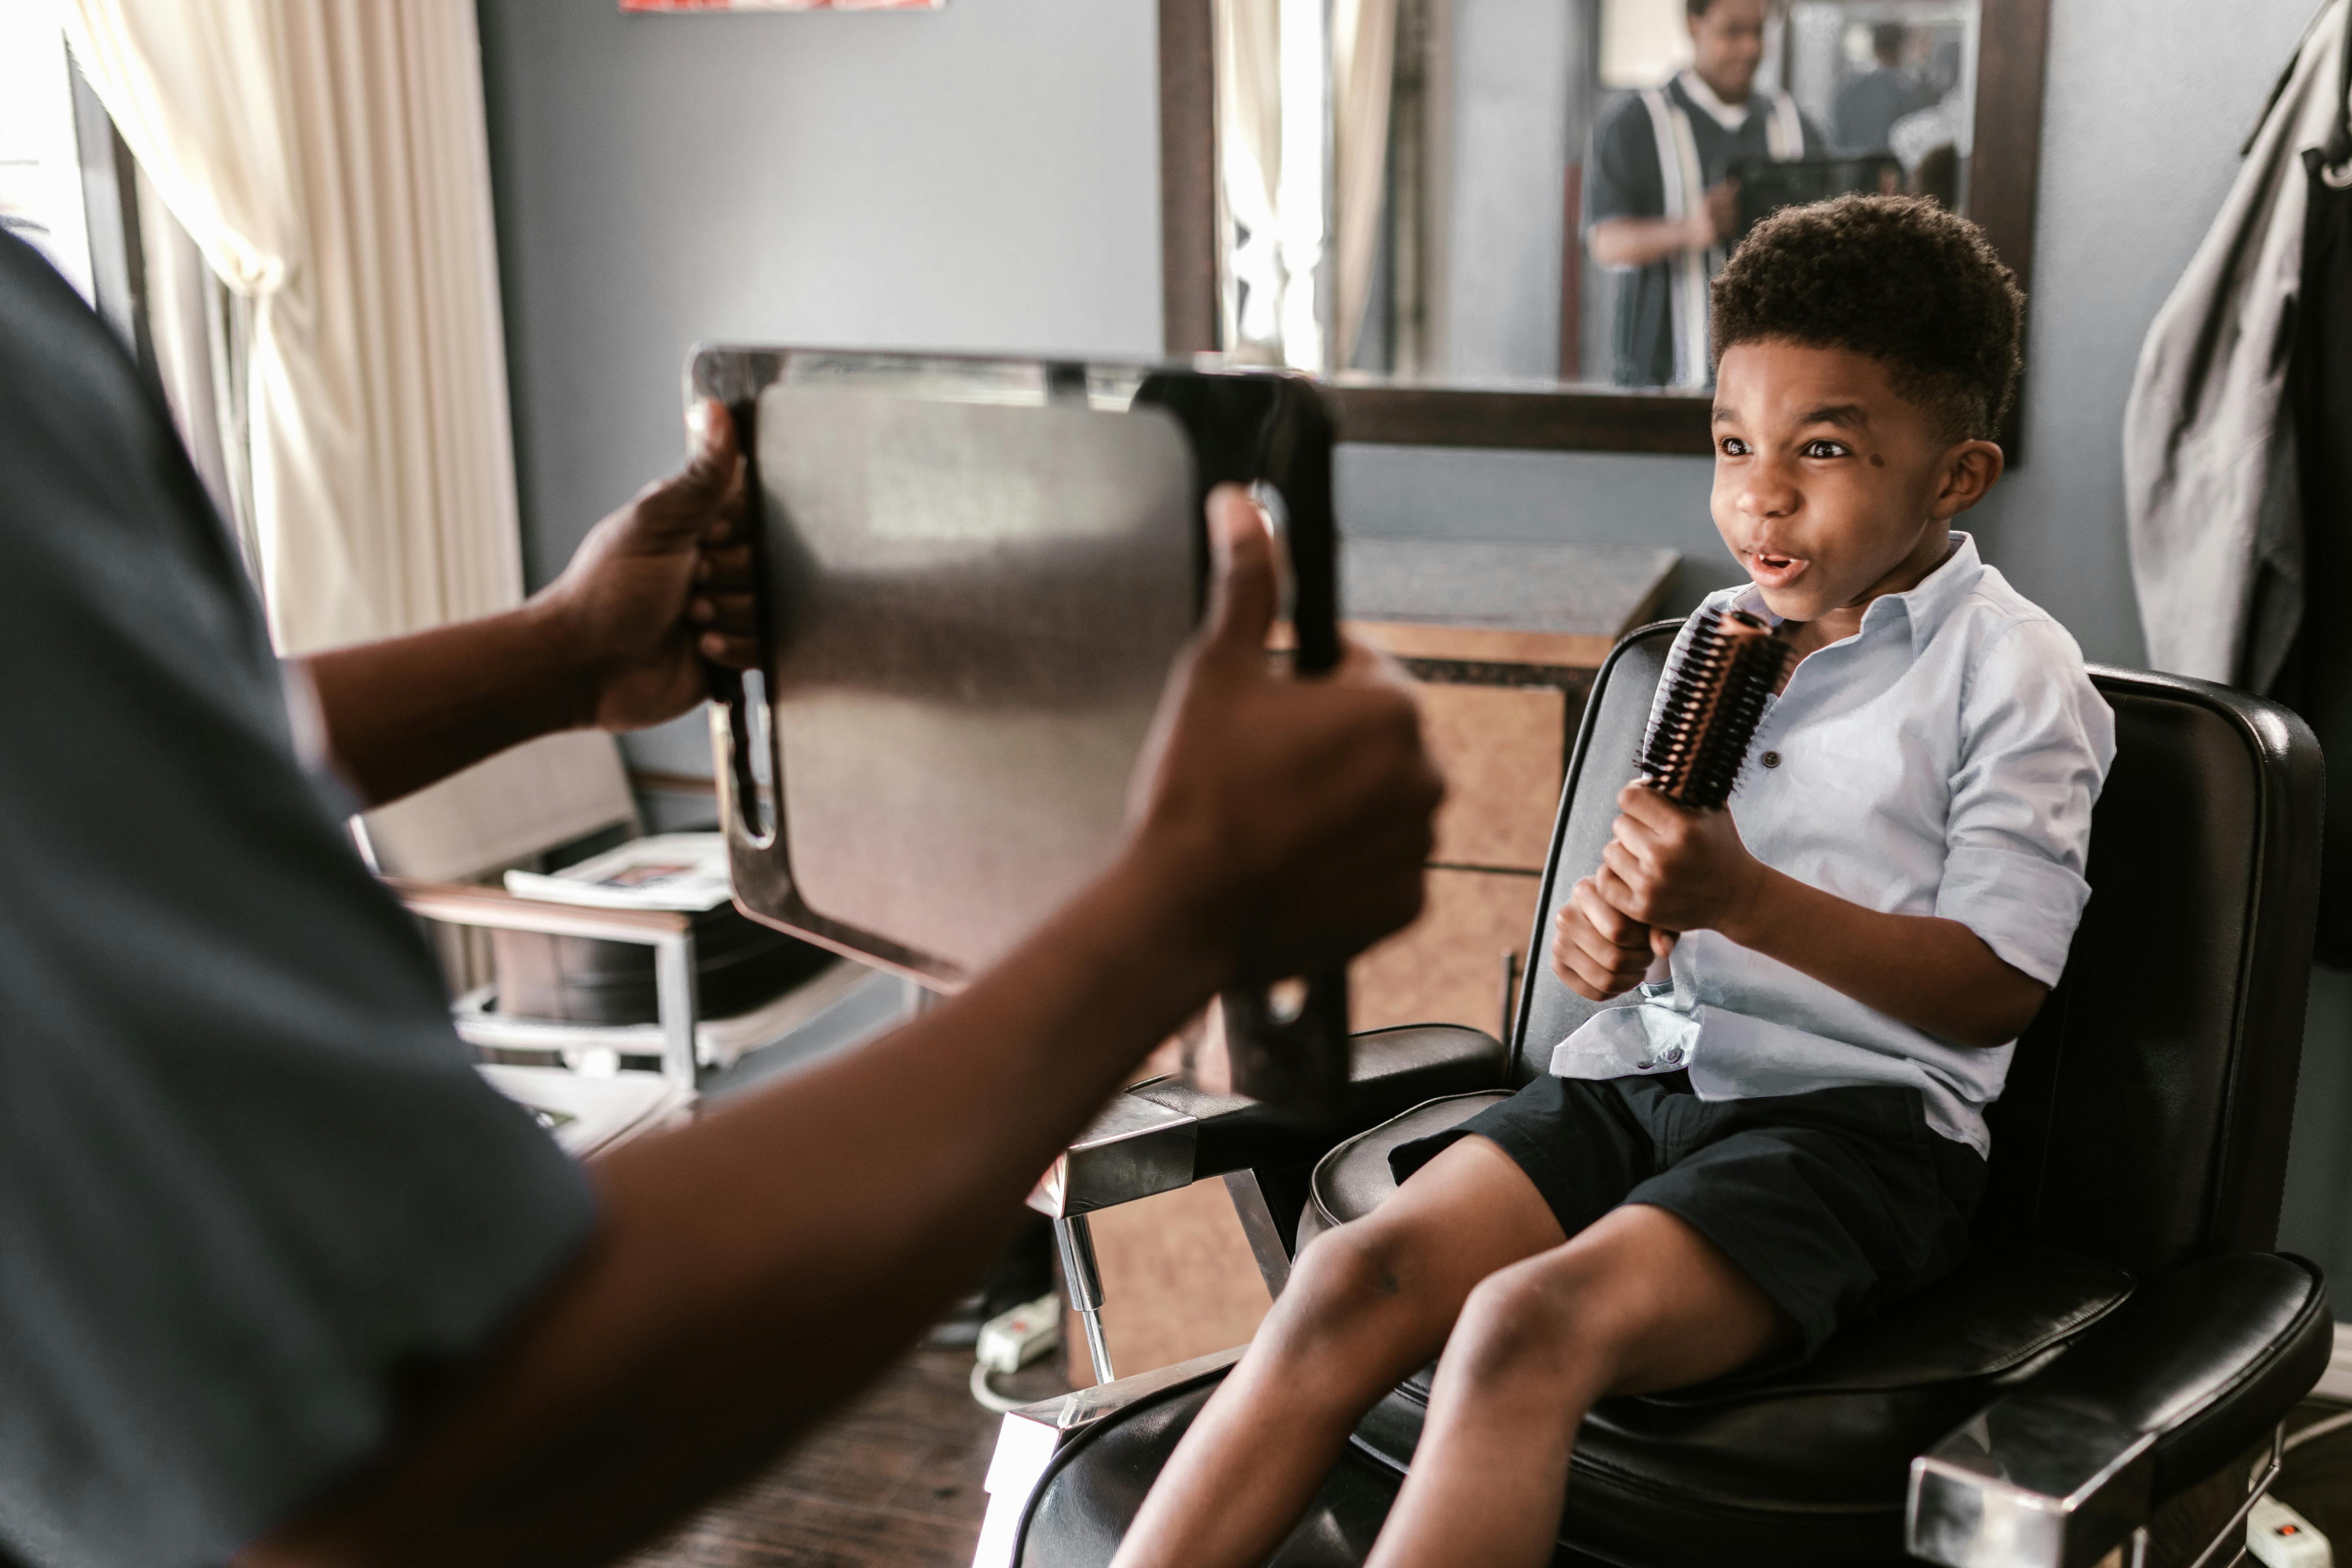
(2317, 681)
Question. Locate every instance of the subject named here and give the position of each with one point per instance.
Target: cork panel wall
(1502, 750)
(1178, 1281)
(1447, 966)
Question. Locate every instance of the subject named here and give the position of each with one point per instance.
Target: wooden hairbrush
(1716, 693)
(1699, 738)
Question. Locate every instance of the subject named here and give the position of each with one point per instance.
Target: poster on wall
(782, 4)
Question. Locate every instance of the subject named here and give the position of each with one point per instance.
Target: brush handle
(1659, 979)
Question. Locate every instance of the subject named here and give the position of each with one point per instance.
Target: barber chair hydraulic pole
(2122, 1332)
(1076, 1240)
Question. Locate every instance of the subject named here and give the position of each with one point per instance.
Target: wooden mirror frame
(2013, 37)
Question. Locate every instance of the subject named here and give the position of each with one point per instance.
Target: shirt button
(1671, 1055)
(1771, 758)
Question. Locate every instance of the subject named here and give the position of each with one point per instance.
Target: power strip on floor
(2278, 1537)
(1011, 1340)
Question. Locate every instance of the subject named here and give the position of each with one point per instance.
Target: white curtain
(330, 159)
(1249, 157)
(1363, 70)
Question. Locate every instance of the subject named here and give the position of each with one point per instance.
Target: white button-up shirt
(1942, 761)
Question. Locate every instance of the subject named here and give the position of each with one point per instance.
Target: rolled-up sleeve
(2036, 743)
(1622, 180)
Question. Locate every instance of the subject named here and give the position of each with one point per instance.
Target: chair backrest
(2146, 1117)
(522, 802)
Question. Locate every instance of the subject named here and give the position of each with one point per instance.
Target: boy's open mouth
(1774, 569)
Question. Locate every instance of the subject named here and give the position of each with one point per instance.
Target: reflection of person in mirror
(1869, 105)
(1661, 210)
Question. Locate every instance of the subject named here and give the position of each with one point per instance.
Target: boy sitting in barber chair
(1721, 1175)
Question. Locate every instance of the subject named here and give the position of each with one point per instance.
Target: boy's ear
(1971, 469)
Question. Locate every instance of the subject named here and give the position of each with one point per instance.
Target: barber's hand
(660, 586)
(1718, 218)
(1287, 819)
(1675, 868)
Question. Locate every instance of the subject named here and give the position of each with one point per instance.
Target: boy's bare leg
(1638, 1301)
(1367, 1304)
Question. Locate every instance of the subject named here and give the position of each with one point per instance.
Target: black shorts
(1836, 1203)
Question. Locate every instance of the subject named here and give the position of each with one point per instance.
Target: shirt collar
(1926, 605)
(1731, 117)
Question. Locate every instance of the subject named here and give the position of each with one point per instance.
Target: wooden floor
(2316, 1480)
(894, 1479)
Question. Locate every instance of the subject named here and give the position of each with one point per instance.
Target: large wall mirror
(1491, 221)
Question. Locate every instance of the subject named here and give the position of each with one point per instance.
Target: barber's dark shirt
(1869, 105)
(247, 1178)
(1624, 181)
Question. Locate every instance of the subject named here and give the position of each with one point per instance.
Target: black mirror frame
(2012, 54)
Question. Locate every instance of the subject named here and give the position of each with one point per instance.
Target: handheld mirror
(975, 574)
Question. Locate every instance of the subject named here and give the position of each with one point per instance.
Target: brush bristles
(1716, 694)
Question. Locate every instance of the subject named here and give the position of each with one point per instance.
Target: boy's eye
(1824, 448)
(1732, 446)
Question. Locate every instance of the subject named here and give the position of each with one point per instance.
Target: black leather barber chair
(2123, 1330)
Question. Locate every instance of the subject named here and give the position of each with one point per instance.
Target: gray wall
(986, 177)
(983, 177)
(1498, 313)
(2148, 102)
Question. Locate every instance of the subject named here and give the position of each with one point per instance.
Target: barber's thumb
(1243, 597)
(710, 464)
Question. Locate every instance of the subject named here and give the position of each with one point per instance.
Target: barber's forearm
(1639, 241)
(751, 1269)
(1932, 973)
(408, 711)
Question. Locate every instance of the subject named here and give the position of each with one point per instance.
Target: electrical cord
(1011, 1340)
(984, 1392)
(2318, 1430)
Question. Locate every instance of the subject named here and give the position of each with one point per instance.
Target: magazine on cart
(685, 871)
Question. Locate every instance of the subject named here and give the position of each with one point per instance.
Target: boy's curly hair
(1896, 277)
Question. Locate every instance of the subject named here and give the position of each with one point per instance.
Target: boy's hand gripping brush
(1698, 735)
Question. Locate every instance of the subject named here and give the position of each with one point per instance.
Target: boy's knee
(1349, 1276)
(1523, 1332)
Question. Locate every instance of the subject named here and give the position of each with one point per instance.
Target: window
(70, 188)
(41, 198)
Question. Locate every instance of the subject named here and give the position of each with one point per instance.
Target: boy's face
(1829, 487)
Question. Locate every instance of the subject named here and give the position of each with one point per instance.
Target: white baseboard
(2336, 1383)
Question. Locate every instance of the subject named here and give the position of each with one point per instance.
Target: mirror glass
(1533, 191)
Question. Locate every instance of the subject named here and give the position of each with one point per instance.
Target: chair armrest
(468, 904)
(1165, 1134)
(670, 933)
(1392, 1071)
(2185, 1377)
